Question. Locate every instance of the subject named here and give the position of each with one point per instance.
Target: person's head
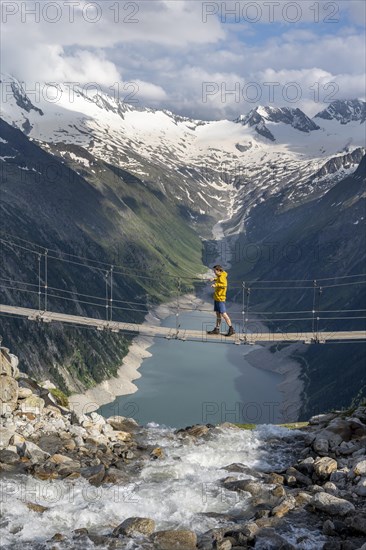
(217, 269)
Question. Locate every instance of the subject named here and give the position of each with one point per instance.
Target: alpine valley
(279, 195)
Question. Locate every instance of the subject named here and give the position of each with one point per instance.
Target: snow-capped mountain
(259, 116)
(212, 167)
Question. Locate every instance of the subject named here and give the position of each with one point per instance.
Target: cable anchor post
(39, 283)
(243, 311)
(111, 298)
(106, 276)
(46, 278)
(315, 287)
(320, 292)
(177, 323)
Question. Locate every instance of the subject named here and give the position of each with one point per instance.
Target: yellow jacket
(220, 287)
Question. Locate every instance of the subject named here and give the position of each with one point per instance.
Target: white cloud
(170, 52)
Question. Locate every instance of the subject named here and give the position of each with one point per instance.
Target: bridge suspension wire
(182, 308)
(122, 270)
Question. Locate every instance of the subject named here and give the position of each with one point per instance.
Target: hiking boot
(216, 330)
(230, 332)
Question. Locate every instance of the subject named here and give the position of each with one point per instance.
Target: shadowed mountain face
(320, 239)
(141, 189)
(115, 219)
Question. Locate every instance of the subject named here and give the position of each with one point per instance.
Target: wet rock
(58, 537)
(177, 540)
(268, 539)
(36, 507)
(157, 453)
(94, 474)
(332, 505)
(197, 431)
(244, 469)
(116, 477)
(255, 488)
(324, 466)
(284, 507)
(122, 423)
(276, 479)
(135, 526)
(294, 477)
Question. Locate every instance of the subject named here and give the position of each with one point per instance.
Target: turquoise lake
(186, 383)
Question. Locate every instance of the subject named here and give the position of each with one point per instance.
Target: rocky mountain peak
(344, 111)
(261, 115)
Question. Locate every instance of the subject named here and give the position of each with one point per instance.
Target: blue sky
(184, 56)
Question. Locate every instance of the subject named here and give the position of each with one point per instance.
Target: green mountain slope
(105, 214)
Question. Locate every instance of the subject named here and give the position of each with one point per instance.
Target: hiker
(220, 286)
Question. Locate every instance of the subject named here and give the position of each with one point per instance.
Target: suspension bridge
(38, 300)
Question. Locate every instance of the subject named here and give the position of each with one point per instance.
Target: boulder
(157, 453)
(284, 507)
(306, 466)
(8, 394)
(24, 392)
(197, 431)
(358, 428)
(175, 540)
(34, 453)
(9, 457)
(268, 539)
(332, 505)
(36, 507)
(32, 404)
(120, 436)
(135, 526)
(5, 436)
(122, 423)
(357, 522)
(321, 446)
(324, 466)
(360, 468)
(294, 477)
(94, 474)
(360, 488)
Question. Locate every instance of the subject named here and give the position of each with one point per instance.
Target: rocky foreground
(324, 487)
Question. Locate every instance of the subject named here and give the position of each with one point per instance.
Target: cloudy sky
(202, 59)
